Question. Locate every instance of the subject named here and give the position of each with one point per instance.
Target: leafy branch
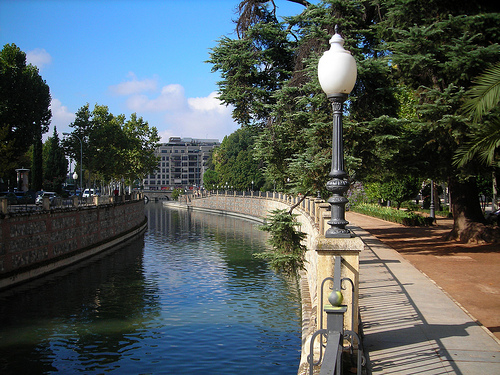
(288, 251)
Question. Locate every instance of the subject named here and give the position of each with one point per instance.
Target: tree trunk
(495, 190)
(468, 219)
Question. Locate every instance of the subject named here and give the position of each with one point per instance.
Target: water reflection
(188, 297)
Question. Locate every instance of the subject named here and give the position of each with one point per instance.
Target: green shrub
(408, 218)
(287, 255)
(410, 205)
(176, 193)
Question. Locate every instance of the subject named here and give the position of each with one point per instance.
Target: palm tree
(482, 100)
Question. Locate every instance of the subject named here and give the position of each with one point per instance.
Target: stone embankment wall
(35, 243)
(320, 254)
(310, 214)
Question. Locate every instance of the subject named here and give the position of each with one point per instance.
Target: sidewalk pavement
(411, 326)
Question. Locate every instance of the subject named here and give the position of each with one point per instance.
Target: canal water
(186, 298)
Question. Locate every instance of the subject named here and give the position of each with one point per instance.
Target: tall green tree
(484, 141)
(55, 166)
(436, 49)
(113, 147)
(234, 161)
(138, 157)
(102, 137)
(416, 59)
(253, 68)
(24, 112)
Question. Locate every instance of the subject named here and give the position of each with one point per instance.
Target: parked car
(87, 193)
(50, 194)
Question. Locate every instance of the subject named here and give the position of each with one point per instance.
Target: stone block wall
(37, 240)
(261, 207)
(320, 255)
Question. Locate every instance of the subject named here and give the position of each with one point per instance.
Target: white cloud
(61, 117)
(39, 57)
(134, 86)
(202, 117)
(171, 98)
(209, 103)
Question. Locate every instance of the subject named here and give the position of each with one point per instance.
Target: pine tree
(55, 166)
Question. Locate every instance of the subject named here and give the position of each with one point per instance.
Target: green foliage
(138, 156)
(415, 62)
(210, 179)
(484, 95)
(482, 102)
(113, 147)
(397, 190)
(177, 193)
(235, 163)
(408, 218)
(55, 164)
(24, 113)
(400, 189)
(252, 68)
(436, 51)
(287, 255)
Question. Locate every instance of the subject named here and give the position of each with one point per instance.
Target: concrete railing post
(348, 248)
(4, 206)
(46, 203)
(322, 216)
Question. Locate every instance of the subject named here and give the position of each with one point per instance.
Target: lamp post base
(335, 232)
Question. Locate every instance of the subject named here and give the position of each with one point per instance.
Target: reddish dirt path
(469, 273)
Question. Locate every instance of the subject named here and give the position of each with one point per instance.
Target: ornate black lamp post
(337, 76)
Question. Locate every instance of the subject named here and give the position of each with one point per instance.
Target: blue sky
(143, 56)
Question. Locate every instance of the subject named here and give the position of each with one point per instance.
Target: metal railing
(335, 341)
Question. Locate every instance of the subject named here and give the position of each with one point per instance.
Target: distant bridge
(157, 195)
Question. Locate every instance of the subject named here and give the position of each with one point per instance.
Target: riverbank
(36, 243)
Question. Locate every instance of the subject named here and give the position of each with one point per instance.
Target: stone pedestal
(348, 249)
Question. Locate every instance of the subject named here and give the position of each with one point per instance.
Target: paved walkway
(411, 326)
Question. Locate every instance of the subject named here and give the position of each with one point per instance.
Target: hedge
(408, 218)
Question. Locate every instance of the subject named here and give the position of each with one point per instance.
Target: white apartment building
(182, 164)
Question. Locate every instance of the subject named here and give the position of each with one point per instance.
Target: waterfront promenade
(411, 325)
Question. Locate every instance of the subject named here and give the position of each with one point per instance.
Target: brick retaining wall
(35, 243)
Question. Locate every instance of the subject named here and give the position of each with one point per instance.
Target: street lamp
(81, 158)
(337, 76)
(75, 178)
